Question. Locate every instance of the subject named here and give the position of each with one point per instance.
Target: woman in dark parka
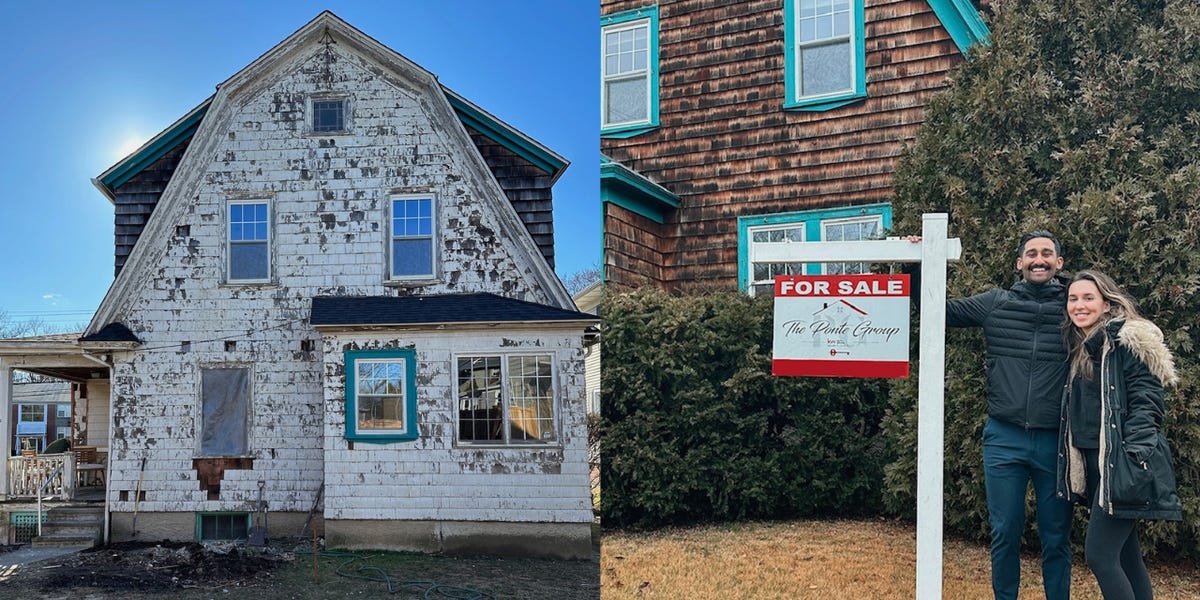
(1113, 456)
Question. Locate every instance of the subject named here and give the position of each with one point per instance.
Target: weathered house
(335, 292)
(728, 127)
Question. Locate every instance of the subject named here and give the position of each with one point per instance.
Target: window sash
(825, 48)
(850, 229)
(507, 399)
(248, 239)
(626, 73)
(329, 116)
(380, 395)
(762, 274)
(412, 233)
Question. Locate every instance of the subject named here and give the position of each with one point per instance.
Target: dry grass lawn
(826, 560)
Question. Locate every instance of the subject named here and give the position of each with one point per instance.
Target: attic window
(329, 116)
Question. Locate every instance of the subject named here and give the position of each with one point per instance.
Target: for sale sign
(841, 326)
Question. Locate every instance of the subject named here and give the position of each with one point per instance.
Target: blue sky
(87, 82)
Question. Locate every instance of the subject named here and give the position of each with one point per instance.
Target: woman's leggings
(1112, 548)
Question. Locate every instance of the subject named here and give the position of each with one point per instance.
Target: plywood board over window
(225, 411)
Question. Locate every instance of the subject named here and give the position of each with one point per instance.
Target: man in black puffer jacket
(1026, 371)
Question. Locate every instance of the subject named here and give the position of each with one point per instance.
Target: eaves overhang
(169, 138)
(962, 22)
(471, 115)
(624, 187)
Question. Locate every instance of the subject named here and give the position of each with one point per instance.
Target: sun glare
(131, 143)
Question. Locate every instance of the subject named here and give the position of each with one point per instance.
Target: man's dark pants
(1012, 456)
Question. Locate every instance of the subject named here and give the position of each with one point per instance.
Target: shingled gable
(377, 311)
(442, 105)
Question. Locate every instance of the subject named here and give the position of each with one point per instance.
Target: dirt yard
(286, 570)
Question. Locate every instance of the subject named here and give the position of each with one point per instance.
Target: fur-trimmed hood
(1145, 340)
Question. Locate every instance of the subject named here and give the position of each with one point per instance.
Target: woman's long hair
(1121, 308)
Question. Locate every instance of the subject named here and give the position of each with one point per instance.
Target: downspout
(108, 466)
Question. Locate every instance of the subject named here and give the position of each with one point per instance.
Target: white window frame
(506, 440)
(432, 236)
(649, 73)
(753, 247)
(230, 243)
(864, 267)
(405, 358)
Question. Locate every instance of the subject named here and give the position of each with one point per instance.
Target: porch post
(5, 410)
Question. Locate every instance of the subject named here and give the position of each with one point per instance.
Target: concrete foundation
(181, 526)
(547, 540)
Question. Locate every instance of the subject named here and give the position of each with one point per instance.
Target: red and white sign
(841, 326)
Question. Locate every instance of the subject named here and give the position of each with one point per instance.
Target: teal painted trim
(651, 122)
(410, 432)
(505, 136)
(621, 133)
(177, 134)
(631, 191)
(216, 513)
(792, 99)
(812, 230)
(962, 22)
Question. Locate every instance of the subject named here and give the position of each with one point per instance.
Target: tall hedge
(1082, 117)
(695, 428)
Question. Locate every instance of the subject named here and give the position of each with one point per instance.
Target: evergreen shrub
(695, 428)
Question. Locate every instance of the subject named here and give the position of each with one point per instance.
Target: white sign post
(933, 252)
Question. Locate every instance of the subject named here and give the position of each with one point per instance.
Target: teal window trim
(626, 130)
(218, 513)
(409, 432)
(812, 220)
(962, 22)
(793, 101)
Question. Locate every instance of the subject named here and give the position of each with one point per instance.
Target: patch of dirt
(162, 565)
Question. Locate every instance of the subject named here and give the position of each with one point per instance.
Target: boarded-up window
(225, 407)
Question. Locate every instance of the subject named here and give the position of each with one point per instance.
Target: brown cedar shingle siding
(528, 189)
(135, 200)
(728, 149)
(632, 256)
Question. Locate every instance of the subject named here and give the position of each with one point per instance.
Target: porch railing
(28, 474)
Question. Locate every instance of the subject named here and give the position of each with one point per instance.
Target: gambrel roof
(489, 146)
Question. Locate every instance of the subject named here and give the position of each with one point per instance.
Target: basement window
(222, 527)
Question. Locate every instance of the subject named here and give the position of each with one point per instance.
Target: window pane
(825, 69)
(248, 261)
(328, 116)
(626, 100)
(531, 393)
(412, 257)
(479, 410)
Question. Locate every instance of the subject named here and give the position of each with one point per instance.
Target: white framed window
(412, 232)
(763, 242)
(62, 411)
(824, 53)
(248, 239)
(763, 239)
(32, 413)
(381, 390)
(507, 399)
(629, 70)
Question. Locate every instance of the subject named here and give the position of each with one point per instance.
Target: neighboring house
(588, 301)
(729, 127)
(335, 289)
(40, 414)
